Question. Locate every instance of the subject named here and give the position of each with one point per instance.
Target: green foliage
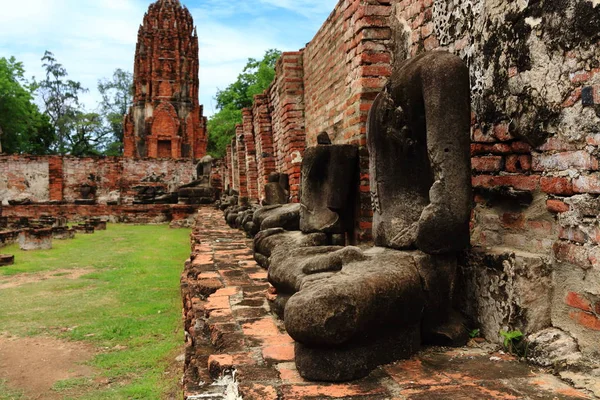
(61, 100)
(117, 97)
(74, 130)
(128, 306)
(88, 135)
(514, 342)
(10, 394)
(221, 128)
(23, 129)
(475, 333)
(254, 79)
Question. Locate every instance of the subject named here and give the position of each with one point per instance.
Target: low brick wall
(141, 214)
(54, 178)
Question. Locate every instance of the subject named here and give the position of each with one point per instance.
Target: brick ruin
(535, 99)
(533, 263)
(166, 118)
(163, 174)
(165, 142)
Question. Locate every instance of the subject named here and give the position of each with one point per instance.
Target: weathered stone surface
(276, 191)
(268, 241)
(6, 260)
(553, 347)
(339, 301)
(35, 239)
(372, 288)
(418, 139)
(63, 233)
(286, 216)
(505, 289)
(197, 195)
(358, 358)
(576, 298)
(290, 267)
(166, 119)
(329, 182)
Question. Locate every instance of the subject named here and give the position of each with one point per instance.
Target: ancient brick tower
(166, 118)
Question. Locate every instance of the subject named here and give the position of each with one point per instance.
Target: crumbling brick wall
(54, 178)
(328, 86)
(535, 84)
(250, 154)
(287, 116)
(535, 79)
(263, 134)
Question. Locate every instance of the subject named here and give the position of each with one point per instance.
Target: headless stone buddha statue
(350, 309)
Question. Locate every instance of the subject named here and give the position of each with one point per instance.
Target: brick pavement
(229, 328)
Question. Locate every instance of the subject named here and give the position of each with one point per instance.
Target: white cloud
(93, 38)
(307, 8)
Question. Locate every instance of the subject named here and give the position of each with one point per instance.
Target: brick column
(228, 169)
(250, 156)
(287, 98)
(240, 148)
(235, 170)
(263, 134)
(56, 180)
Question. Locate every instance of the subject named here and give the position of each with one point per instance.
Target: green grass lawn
(128, 306)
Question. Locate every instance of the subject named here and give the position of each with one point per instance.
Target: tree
(61, 100)
(254, 79)
(117, 97)
(88, 135)
(23, 129)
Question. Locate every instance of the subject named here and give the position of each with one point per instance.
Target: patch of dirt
(14, 281)
(34, 365)
(174, 374)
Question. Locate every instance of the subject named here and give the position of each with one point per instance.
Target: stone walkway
(231, 333)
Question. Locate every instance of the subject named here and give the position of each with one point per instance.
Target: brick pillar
(371, 69)
(235, 170)
(249, 142)
(287, 99)
(56, 180)
(263, 134)
(216, 175)
(241, 160)
(228, 169)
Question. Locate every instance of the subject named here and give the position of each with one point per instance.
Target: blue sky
(93, 38)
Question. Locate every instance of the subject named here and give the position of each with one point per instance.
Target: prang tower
(166, 118)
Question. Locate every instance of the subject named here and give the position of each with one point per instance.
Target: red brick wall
(287, 118)
(534, 151)
(240, 149)
(263, 134)
(345, 66)
(56, 181)
(250, 155)
(328, 86)
(59, 178)
(149, 213)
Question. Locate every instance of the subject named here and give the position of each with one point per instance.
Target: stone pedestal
(197, 195)
(35, 239)
(99, 224)
(8, 237)
(85, 228)
(6, 259)
(63, 233)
